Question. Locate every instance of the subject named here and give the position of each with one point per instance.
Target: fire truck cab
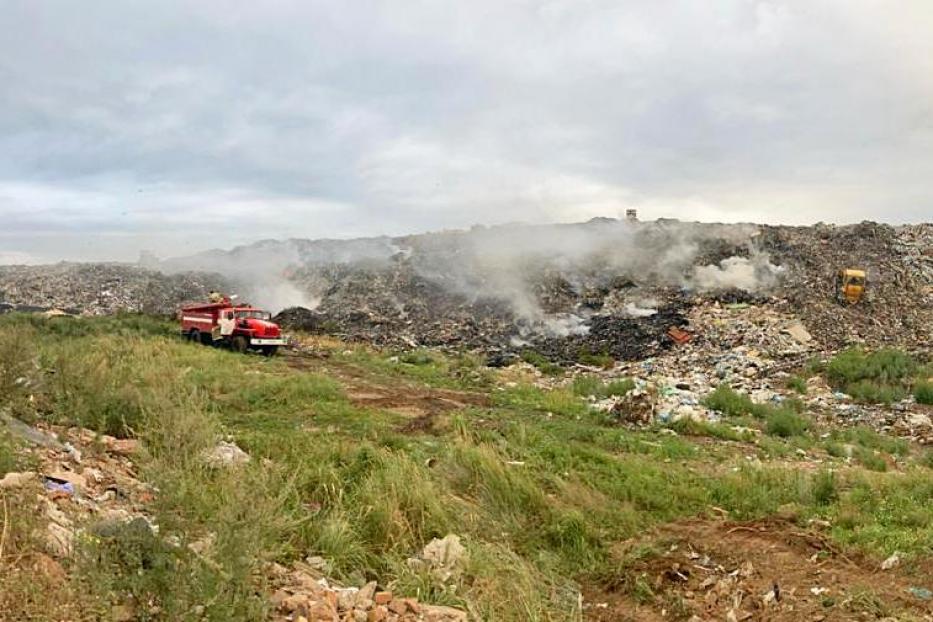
(240, 327)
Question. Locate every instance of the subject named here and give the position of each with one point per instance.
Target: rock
(77, 480)
(295, 603)
(439, 613)
(225, 454)
(17, 480)
(377, 614)
(366, 593)
(59, 540)
(444, 556)
(891, 562)
(322, 612)
(382, 598)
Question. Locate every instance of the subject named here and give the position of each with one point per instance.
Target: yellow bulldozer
(850, 285)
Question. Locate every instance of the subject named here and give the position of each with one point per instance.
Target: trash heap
(603, 287)
(753, 349)
(85, 485)
(100, 288)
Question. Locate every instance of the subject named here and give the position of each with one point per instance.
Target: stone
(440, 613)
(383, 598)
(367, 592)
(295, 603)
(377, 614)
(17, 480)
(225, 455)
(322, 612)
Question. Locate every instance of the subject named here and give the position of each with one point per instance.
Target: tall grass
(538, 487)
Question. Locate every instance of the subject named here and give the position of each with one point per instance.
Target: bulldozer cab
(850, 285)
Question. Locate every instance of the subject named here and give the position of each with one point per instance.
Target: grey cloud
(125, 119)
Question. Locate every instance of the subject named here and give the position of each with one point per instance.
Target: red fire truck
(240, 327)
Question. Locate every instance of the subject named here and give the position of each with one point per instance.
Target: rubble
(303, 593)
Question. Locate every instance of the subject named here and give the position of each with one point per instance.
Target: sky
(177, 126)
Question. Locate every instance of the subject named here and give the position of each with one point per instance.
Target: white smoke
(752, 274)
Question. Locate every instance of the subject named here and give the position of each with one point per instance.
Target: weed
(825, 490)
(730, 403)
(926, 458)
(544, 365)
(879, 377)
(601, 359)
(923, 392)
(588, 385)
(785, 423)
(870, 460)
(798, 384)
(692, 427)
(885, 366)
(871, 392)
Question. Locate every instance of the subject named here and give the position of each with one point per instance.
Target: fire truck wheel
(269, 350)
(194, 335)
(240, 344)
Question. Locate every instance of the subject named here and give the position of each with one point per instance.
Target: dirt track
(419, 403)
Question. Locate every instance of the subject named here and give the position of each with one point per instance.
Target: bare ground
(765, 570)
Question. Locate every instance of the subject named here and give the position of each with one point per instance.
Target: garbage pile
(753, 349)
(898, 308)
(86, 484)
(100, 288)
(605, 286)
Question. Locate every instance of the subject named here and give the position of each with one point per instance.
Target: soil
(765, 570)
(419, 404)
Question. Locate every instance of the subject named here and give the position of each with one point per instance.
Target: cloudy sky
(179, 126)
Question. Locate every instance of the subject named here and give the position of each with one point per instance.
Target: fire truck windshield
(253, 315)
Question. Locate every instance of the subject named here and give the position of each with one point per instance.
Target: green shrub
(730, 403)
(586, 385)
(825, 491)
(692, 427)
(544, 365)
(870, 459)
(785, 423)
(923, 392)
(885, 366)
(871, 392)
(595, 359)
(9, 459)
(417, 357)
(798, 384)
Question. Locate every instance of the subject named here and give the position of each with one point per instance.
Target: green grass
(587, 385)
(798, 384)
(923, 392)
(879, 377)
(541, 362)
(730, 403)
(785, 423)
(595, 359)
(539, 485)
(692, 427)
